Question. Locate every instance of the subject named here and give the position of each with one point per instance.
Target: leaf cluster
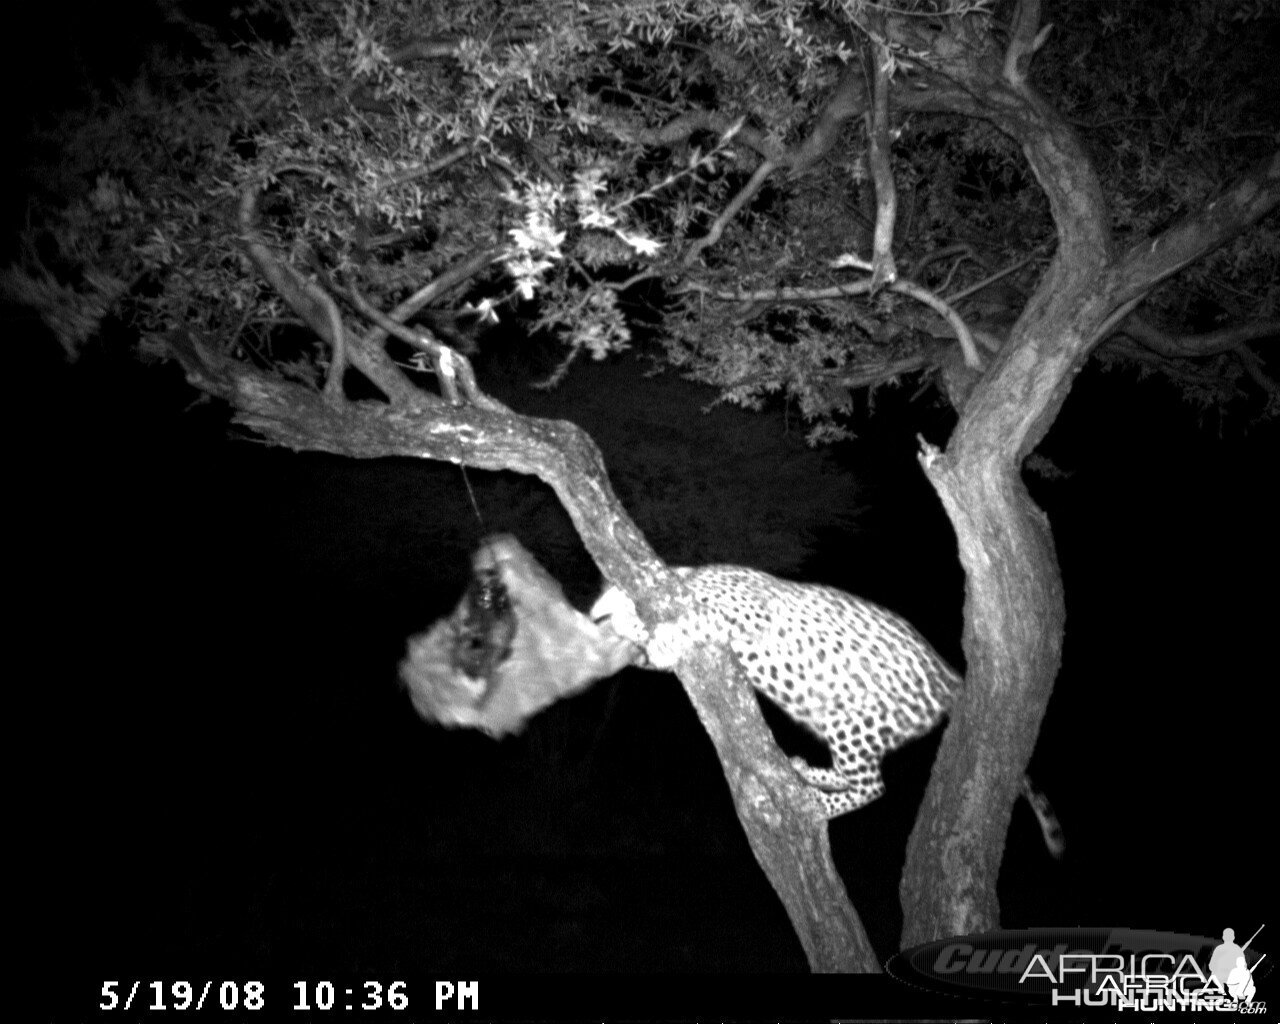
(606, 155)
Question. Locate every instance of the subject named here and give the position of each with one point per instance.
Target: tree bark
(1014, 618)
(781, 816)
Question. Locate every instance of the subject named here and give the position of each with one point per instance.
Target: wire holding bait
(466, 480)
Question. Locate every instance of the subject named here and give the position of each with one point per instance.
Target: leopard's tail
(1055, 840)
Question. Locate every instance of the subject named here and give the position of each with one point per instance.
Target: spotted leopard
(859, 677)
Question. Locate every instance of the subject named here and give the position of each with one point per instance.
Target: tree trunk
(1014, 610)
(1014, 617)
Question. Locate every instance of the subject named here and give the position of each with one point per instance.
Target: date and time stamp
(309, 997)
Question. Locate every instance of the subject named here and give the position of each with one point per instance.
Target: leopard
(857, 676)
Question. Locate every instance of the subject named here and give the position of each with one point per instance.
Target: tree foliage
(604, 162)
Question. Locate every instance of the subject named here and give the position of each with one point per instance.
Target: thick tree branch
(847, 101)
(306, 298)
(782, 818)
(1191, 346)
(879, 147)
(1203, 377)
(944, 309)
(1144, 265)
(1196, 360)
(319, 312)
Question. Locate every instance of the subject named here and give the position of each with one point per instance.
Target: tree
(317, 209)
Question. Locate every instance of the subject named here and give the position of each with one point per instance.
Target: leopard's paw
(669, 643)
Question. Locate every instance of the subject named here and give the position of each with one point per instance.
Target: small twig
(729, 212)
(989, 280)
(634, 279)
(553, 379)
(945, 253)
(1116, 318)
(1254, 367)
(456, 275)
(453, 370)
(685, 125)
(437, 165)
(725, 138)
(1025, 38)
(786, 294)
